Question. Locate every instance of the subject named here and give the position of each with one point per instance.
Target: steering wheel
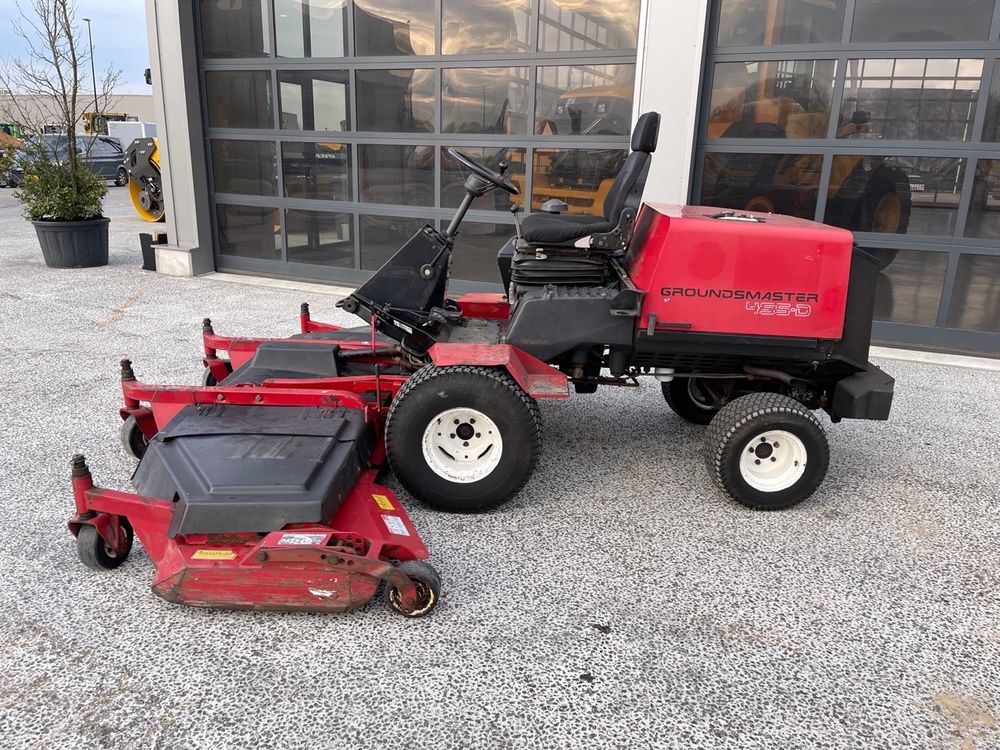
(494, 178)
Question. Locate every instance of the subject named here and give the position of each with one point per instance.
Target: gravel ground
(619, 601)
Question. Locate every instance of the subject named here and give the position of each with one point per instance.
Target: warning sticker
(395, 525)
(383, 502)
(214, 554)
(302, 539)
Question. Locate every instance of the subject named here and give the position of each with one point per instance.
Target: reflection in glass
(909, 284)
(234, 29)
(245, 167)
(984, 210)
(901, 195)
(314, 100)
(382, 236)
(776, 99)
(484, 100)
(394, 27)
(401, 175)
(912, 99)
(311, 28)
(975, 304)
(755, 23)
(771, 183)
(319, 238)
(396, 101)
(475, 257)
(580, 177)
(921, 21)
(567, 25)
(239, 99)
(316, 170)
(453, 177)
(249, 232)
(485, 26)
(991, 130)
(585, 100)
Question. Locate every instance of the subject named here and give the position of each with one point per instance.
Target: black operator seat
(562, 229)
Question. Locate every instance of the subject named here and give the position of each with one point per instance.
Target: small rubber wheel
(133, 440)
(463, 439)
(121, 177)
(691, 399)
(97, 555)
(767, 451)
(428, 585)
(208, 379)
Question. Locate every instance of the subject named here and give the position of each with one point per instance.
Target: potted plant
(60, 193)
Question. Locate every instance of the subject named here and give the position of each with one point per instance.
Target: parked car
(103, 154)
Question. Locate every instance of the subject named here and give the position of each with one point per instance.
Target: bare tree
(46, 85)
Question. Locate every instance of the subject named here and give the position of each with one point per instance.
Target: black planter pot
(73, 244)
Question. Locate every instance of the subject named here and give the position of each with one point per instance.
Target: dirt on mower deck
(619, 601)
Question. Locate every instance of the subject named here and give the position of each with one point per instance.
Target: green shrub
(48, 193)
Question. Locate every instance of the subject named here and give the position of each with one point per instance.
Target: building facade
(308, 138)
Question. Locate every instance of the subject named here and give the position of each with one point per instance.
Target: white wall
(671, 51)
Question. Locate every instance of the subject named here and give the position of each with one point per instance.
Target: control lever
(515, 210)
(502, 167)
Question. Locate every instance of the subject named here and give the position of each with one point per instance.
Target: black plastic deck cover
(232, 469)
(287, 360)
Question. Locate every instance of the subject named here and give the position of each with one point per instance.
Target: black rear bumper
(864, 395)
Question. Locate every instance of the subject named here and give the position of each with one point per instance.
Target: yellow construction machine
(145, 187)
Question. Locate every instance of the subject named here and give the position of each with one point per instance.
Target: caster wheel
(428, 585)
(691, 399)
(133, 440)
(208, 379)
(767, 451)
(463, 439)
(97, 555)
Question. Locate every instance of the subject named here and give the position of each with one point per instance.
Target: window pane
(921, 20)
(396, 101)
(580, 177)
(317, 170)
(991, 132)
(382, 236)
(777, 99)
(239, 99)
(753, 23)
(311, 28)
(567, 25)
(484, 100)
(911, 99)
(394, 27)
(245, 167)
(319, 238)
(902, 195)
(975, 304)
(453, 177)
(314, 100)
(908, 289)
(984, 211)
(249, 232)
(485, 26)
(585, 100)
(475, 257)
(235, 29)
(403, 175)
(772, 183)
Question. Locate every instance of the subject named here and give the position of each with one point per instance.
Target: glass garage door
(880, 116)
(328, 122)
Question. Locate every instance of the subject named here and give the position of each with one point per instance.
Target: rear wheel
(693, 399)
(463, 439)
(133, 440)
(767, 451)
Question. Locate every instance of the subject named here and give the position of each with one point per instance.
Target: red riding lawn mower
(258, 489)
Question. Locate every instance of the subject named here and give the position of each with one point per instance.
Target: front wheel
(463, 439)
(767, 451)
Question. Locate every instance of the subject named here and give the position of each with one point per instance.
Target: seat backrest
(627, 188)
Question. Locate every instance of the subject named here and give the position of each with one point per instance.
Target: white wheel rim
(462, 445)
(773, 461)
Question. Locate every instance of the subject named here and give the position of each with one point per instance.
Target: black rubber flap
(287, 360)
(233, 469)
(362, 333)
